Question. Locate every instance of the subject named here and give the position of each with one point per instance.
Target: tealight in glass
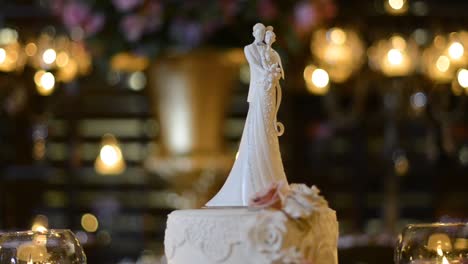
(48, 247)
(433, 244)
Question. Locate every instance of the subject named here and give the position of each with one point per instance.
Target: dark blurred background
(114, 113)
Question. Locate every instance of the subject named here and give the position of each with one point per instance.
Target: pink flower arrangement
(305, 16)
(267, 9)
(270, 197)
(76, 14)
(126, 5)
(133, 27)
(154, 26)
(296, 201)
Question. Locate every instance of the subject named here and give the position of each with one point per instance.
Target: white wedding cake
(257, 217)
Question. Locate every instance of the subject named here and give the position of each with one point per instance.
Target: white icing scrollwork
(215, 238)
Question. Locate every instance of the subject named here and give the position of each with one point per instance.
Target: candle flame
(440, 252)
(39, 228)
(445, 261)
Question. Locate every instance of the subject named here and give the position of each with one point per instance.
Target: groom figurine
(253, 55)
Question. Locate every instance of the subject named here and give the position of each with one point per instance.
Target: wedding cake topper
(258, 165)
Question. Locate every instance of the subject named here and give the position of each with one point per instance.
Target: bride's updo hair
(269, 28)
(270, 34)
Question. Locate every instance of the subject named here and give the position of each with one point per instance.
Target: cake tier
(234, 236)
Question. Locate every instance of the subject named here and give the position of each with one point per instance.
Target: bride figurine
(258, 165)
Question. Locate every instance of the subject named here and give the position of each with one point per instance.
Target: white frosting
(233, 236)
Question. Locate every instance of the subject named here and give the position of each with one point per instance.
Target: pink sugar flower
(133, 27)
(75, 13)
(267, 9)
(94, 24)
(126, 5)
(305, 16)
(270, 197)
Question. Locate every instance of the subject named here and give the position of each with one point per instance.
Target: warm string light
(317, 80)
(462, 78)
(456, 50)
(393, 57)
(2, 55)
(320, 78)
(90, 223)
(396, 7)
(137, 81)
(67, 59)
(443, 63)
(110, 160)
(11, 57)
(45, 82)
(49, 56)
(442, 59)
(338, 51)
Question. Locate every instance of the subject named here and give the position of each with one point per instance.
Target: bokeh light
(30, 49)
(462, 78)
(110, 160)
(320, 78)
(89, 222)
(396, 4)
(109, 155)
(395, 57)
(418, 100)
(49, 56)
(8, 36)
(439, 243)
(443, 63)
(456, 50)
(62, 59)
(337, 36)
(2, 55)
(339, 51)
(396, 7)
(45, 82)
(137, 81)
(312, 77)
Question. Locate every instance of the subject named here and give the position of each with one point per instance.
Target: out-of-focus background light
(316, 79)
(396, 7)
(90, 223)
(110, 160)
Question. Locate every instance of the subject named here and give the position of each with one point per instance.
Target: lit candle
(35, 251)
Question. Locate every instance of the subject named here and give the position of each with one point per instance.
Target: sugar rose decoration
(270, 197)
(301, 201)
(267, 234)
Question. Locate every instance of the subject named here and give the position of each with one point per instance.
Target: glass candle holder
(48, 247)
(433, 244)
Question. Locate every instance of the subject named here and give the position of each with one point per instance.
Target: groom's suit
(252, 53)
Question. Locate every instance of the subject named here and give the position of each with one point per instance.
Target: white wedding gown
(259, 163)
